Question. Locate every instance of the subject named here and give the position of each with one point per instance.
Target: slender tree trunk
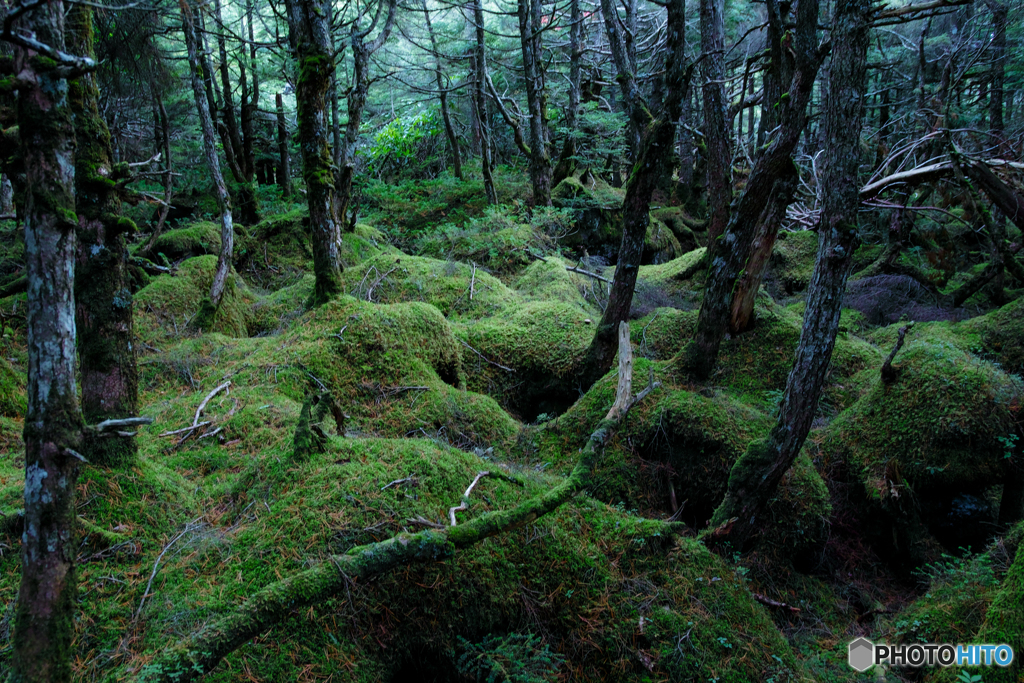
(716, 127)
(162, 136)
(756, 475)
(310, 31)
(480, 102)
(208, 311)
(107, 365)
(1000, 17)
(284, 173)
(530, 39)
(566, 165)
(228, 101)
(730, 253)
(632, 100)
(654, 159)
(449, 130)
(44, 616)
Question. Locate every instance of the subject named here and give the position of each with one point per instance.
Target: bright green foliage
(197, 239)
(407, 146)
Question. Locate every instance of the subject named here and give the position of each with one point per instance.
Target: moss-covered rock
(930, 446)
(165, 308)
(456, 289)
(527, 357)
(1001, 334)
(550, 281)
(198, 239)
(791, 263)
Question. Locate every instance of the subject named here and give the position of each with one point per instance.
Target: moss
(1001, 334)
(540, 345)
(446, 285)
(550, 281)
(12, 391)
(165, 308)
(197, 239)
(792, 262)
(499, 242)
(1004, 622)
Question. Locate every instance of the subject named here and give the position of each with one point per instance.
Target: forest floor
(454, 351)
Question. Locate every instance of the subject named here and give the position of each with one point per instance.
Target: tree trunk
(480, 101)
(234, 136)
(756, 475)
(284, 172)
(530, 39)
(361, 51)
(310, 32)
(729, 254)
(632, 100)
(44, 617)
(442, 93)
(716, 127)
(654, 159)
(1000, 17)
(566, 165)
(208, 310)
(103, 316)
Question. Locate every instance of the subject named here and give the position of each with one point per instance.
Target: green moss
(197, 239)
(1001, 334)
(792, 260)
(935, 430)
(12, 391)
(166, 307)
(550, 281)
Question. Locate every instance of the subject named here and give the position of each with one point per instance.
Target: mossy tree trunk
(480, 101)
(44, 617)
(530, 34)
(309, 30)
(717, 130)
(103, 298)
(654, 158)
(200, 653)
(204, 318)
(360, 88)
(1000, 18)
(729, 253)
(756, 475)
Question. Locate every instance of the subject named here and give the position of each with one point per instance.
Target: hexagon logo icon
(862, 654)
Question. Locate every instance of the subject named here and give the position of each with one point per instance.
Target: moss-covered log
(201, 653)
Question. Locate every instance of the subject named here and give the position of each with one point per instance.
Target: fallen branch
(472, 281)
(156, 565)
(888, 373)
(464, 504)
(201, 652)
(187, 429)
(114, 427)
(199, 410)
(497, 365)
(575, 269)
(764, 600)
(398, 482)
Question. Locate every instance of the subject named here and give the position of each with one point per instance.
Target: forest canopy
(381, 340)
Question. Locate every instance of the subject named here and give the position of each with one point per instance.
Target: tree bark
(361, 51)
(729, 254)
(103, 298)
(480, 101)
(566, 165)
(716, 126)
(284, 172)
(1000, 17)
(44, 616)
(757, 473)
(208, 310)
(533, 73)
(442, 93)
(310, 31)
(632, 100)
(653, 160)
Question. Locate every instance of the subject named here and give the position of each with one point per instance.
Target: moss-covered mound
(930, 445)
(612, 595)
(549, 280)
(198, 239)
(1001, 334)
(456, 289)
(527, 356)
(166, 307)
(680, 446)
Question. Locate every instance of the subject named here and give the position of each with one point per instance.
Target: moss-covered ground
(455, 348)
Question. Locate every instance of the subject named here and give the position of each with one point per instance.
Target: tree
(44, 620)
(530, 34)
(480, 101)
(103, 298)
(717, 130)
(308, 27)
(757, 473)
(208, 311)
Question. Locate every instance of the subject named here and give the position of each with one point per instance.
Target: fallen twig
(576, 269)
(472, 281)
(497, 365)
(397, 482)
(888, 373)
(465, 497)
(764, 600)
(199, 410)
(187, 429)
(156, 565)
